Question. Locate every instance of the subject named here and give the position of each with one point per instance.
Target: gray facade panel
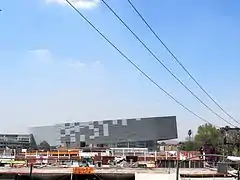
(156, 128)
(77, 135)
(51, 134)
(109, 131)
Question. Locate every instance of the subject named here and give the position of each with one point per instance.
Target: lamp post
(189, 134)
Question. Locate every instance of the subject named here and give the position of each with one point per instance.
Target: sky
(55, 68)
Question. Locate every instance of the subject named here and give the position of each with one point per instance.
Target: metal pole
(238, 173)
(177, 171)
(16, 177)
(30, 172)
(178, 165)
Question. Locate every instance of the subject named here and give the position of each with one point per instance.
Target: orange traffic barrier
(83, 170)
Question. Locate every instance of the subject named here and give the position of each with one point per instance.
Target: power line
(133, 64)
(164, 66)
(178, 61)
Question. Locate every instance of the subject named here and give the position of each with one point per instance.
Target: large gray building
(15, 141)
(137, 132)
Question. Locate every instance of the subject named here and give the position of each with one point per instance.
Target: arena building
(135, 132)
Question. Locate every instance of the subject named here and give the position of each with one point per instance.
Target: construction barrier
(83, 170)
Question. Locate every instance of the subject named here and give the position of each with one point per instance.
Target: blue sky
(55, 68)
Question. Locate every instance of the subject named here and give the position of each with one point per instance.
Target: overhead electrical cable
(178, 61)
(133, 64)
(164, 66)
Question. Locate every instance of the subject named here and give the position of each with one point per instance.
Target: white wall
(155, 176)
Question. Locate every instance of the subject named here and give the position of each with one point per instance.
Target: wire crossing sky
(55, 69)
(131, 62)
(165, 67)
(177, 60)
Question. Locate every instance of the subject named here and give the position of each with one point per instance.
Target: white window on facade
(91, 137)
(91, 126)
(105, 130)
(124, 122)
(72, 125)
(82, 138)
(72, 134)
(73, 139)
(77, 129)
(67, 131)
(96, 134)
(115, 122)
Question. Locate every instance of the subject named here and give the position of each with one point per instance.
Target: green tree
(44, 145)
(231, 138)
(208, 134)
(189, 146)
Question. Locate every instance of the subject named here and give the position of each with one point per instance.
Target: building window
(67, 131)
(91, 126)
(62, 131)
(72, 132)
(77, 129)
(96, 134)
(73, 139)
(115, 122)
(67, 124)
(76, 123)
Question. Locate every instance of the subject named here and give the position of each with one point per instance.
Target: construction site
(112, 163)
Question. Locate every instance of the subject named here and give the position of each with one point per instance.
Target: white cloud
(81, 4)
(98, 64)
(43, 55)
(40, 51)
(76, 64)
